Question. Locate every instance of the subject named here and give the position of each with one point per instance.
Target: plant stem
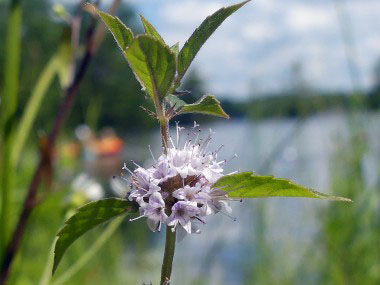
(167, 263)
(8, 116)
(164, 127)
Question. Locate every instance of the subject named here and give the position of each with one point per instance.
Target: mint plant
(187, 182)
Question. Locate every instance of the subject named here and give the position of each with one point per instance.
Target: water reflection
(288, 148)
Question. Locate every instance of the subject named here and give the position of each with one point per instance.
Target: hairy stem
(168, 255)
(167, 262)
(164, 127)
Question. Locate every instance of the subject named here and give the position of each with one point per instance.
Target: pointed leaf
(201, 34)
(250, 185)
(153, 64)
(86, 218)
(175, 102)
(175, 48)
(208, 104)
(150, 30)
(122, 34)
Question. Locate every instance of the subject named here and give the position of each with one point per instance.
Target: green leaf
(153, 64)
(122, 34)
(175, 48)
(150, 30)
(174, 101)
(208, 104)
(86, 218)
(201, 34)
(250, 185)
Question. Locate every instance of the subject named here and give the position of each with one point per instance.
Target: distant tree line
(295, 105)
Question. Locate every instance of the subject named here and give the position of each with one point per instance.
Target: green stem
(164, 127)
(168, 255)
(32, 107)
(167, 262)
(7, 115)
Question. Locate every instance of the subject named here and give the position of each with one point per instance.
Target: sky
(254, 50)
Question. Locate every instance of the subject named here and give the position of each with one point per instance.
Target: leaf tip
(90, 8)
(341, 199)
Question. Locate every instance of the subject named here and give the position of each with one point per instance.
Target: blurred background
(301, 82)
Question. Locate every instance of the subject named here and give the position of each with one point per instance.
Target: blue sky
(253, 51)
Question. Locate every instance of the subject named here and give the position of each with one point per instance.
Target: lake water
(300, 150)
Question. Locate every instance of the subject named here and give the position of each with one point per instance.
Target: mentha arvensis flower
(177, 189)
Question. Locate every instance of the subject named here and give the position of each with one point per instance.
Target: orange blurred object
(109, 145)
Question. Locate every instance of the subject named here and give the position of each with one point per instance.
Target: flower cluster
(177, 189)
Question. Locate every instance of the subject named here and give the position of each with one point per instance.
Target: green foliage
(150, 30)
(250, 185)
(175, 102)
(8, 108)
(201, 34)
(175, 48)
(86, 218)
(120, 32)
(89, 254)
(347, 244)
(208, 104)
(57, 65)
(153, 64)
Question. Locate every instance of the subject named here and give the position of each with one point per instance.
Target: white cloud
(304, 18)
(257, 31)
(189, 12)
(261, 41)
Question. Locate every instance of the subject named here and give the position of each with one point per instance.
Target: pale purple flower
(182, 213)
(163, 171)
(180, 182)
(154, 211)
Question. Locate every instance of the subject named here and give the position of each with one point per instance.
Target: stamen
(171, 141)
(216, 152)
(229, 216)
(136, 164)
(126, 168)
(151, 153)
(227, 161)
(205, 144)
(159, 226)
(196, 139)
(177, 129)
(139, 217)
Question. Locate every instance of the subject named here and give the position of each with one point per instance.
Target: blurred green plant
(58, 65)
(8, 108)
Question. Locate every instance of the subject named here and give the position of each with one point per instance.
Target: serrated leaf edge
(320, 195)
